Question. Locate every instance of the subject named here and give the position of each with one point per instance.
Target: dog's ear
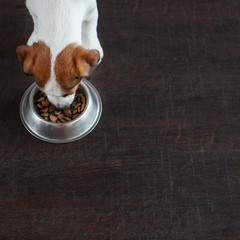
(27, 55)
(86, 61)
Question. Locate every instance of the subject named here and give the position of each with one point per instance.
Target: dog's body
(63, 47)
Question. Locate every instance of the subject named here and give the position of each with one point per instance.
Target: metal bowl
(61, 132)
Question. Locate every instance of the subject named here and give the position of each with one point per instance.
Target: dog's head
(58, 76)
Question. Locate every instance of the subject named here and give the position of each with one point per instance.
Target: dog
(63, 48)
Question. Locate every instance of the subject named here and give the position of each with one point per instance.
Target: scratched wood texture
(164, 161)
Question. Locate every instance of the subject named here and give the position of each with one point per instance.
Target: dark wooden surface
(164, 160)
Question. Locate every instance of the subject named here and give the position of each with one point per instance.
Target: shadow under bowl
(61, 132)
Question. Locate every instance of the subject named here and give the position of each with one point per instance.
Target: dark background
(164, 160)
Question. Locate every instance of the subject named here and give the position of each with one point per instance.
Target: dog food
(47, 111)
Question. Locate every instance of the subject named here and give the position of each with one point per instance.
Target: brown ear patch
(27, 54)
(36, 60)
(72, 64)
(86, 60)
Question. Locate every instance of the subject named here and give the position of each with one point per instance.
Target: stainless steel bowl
(61, 132)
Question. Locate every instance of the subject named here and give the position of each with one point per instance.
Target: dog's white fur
(59, 23)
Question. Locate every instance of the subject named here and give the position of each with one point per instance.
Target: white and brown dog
(63, 47)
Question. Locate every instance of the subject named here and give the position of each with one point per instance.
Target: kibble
(67, 112)
(51, 108)
(83, 100)
(44, 110)
(77, 105)
(41, 99)
(52, 118)
(67, 118)
(62, 120)
(60, 116)
(82, 107)
(57, 112)
(44, 114)
(45, 103)
(48, 112)
(39, 105)
(75, 115)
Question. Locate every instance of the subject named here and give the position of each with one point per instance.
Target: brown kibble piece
(51, 108)
(52, 118)
(78, 105)
(79, 109)
(60, 116)
(45, 103)
(44, 114)
(57, 112)
(41, 99)
(83, 99)
(82, 107)
(46, 118)
(62, 120)
(58, 121)
(74, 111)
(44, 110)
(67, 119)
(39, 105)
(67, 112)
(75, 115)
(78, 100)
